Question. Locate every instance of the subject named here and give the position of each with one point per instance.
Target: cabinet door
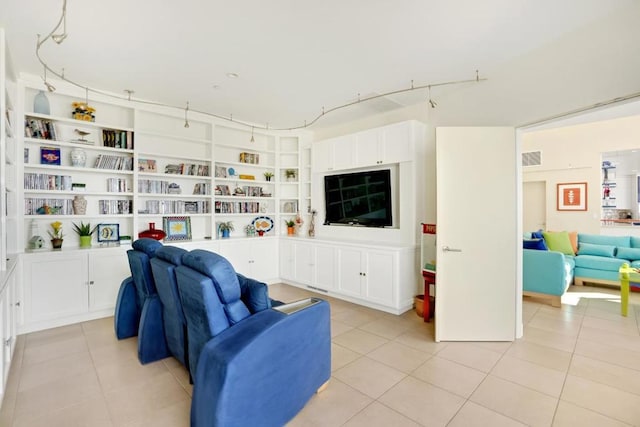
(287, 259)
(263, 262)
(305, 263)
(107, 270)
(55, 286)
(325, 267)
(380, 268)
(238, 254)
(322, 156)
(396, 143)
(368, 147)
(344, 152)
(350, 271)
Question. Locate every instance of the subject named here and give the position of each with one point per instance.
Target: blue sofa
(253, 365)
(548, 273)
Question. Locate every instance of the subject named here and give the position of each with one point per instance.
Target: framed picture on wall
(572, 196)
(177, 228)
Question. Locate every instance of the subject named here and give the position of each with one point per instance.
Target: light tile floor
(578, 365)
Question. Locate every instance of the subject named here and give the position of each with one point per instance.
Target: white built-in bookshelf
(143, 165)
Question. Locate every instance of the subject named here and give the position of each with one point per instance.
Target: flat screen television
(360, 198)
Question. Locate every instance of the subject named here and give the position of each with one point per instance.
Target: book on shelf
(105, 161)
(223, 190)
(251, 158)
(44, 181)
(146, 165)
(39, 128)
(116, 138)
(50, 156)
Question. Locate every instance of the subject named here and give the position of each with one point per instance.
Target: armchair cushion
(255, 294)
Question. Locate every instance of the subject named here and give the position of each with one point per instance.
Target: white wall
(573, 154)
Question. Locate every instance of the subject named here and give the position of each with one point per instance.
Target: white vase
(41, 103)
(78, 157)
(79, 205)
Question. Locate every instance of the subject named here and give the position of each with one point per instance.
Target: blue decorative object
(41, 103)
(232, 171)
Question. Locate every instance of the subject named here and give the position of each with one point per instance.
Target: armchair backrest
(210, 294)
(163, 266)
(139, 261)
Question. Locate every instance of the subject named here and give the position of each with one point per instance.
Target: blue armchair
(138, 308)
(253, 365)
(163, 267)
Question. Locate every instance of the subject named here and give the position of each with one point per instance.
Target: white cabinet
(71, 286)
(308, 263)
(8, 316)
(377, 276)
(256, 258)
(367, 273)
(378, 146)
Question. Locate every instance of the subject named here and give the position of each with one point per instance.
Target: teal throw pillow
(596, 250)
(631, 254)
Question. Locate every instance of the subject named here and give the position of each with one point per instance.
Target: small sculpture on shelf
(82, 111)
(312, 223)
(153, 232)
(56, 236)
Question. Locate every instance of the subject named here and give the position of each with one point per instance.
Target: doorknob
(448, 249)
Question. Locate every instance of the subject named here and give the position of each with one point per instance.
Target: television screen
(360, 198)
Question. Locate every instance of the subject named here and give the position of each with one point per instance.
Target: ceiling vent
(532, 158)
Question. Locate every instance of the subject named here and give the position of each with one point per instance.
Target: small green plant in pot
(290, 174)
(225, 228)
(291, 226)
(85, 232)
(268, 176)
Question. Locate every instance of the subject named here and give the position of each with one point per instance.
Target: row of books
(115, 207)
(252, 158)
(202, 188)
(47, 206)
(116, 185)
(39, 128)
(105, 161)
(177, 207)
(117, 138)
(187, 169)
(153, 186)
(44, 181)
(237, 207)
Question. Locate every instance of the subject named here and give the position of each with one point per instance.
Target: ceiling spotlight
(129, 92)
(233, 75)
(252, 138)
(186, 120)
(59, 38)
(50, 87)
(431, 101)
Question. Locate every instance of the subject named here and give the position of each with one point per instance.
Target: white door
(534, 205)
(478, 248)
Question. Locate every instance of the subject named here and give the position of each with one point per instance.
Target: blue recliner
(163, 267)
(138, 308)
(252, 365)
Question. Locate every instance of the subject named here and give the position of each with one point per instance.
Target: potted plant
(56, 236)
(291, 226)
(84, 231)
(290, 174)
(268, 176)
(225, 228)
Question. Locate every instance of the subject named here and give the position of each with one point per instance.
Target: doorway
(534, 205)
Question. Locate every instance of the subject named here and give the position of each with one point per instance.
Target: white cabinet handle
(448, 249)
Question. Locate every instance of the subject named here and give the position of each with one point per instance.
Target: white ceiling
(541, 57)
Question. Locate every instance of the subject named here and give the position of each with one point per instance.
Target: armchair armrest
(264, 369)
(127, 315)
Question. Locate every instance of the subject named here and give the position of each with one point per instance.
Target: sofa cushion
(597, 250)
(630, 254)
(537, 244)
(597, 239)
(598, 263)
(635, 242)
(559, 242)
(537, 234)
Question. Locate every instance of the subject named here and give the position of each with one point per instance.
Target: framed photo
(50, 156)
(177, 227)
(108, 233)
(572, 196)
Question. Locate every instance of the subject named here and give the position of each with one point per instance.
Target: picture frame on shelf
(50, 156)
(147, 165)
(572, 196)
(221, 172)
(108, 233)
(177, 228)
